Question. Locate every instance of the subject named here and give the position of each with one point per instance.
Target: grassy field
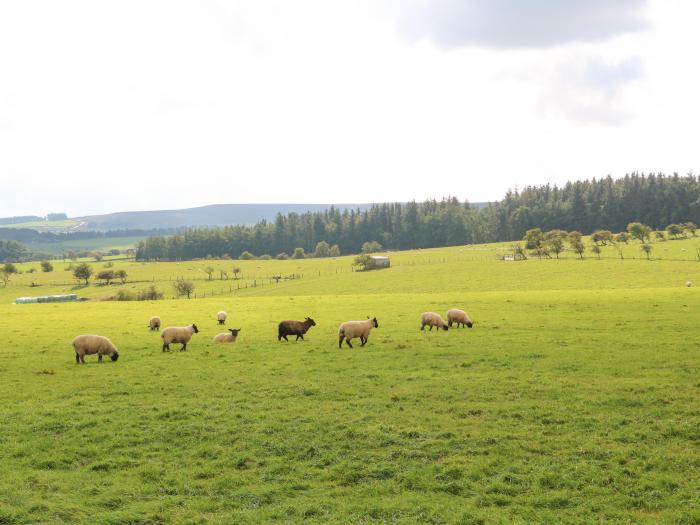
(103, 244)
(62, 225)
(572, 400)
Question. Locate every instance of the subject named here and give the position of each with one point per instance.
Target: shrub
(371, 247)
(265, 257)
(639, 231)
(246, 256)
(46, 266)
(82, 272)
(361, 261)
(150, 294)
(323, 249)
(9, 268)
(298, 253)
(106, 275)
(675, 230)
(183, 287)
(282, 256)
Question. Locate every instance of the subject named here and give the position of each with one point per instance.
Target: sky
(137, 105)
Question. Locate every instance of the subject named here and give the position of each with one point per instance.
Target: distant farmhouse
(377, 262)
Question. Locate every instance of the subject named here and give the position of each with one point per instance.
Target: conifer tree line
(585, 206)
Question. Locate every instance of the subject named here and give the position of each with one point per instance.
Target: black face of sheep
(114, 356)
(194, 327)
(234, 331)
(376, 324)
(469, 324)
(444, 327)
(311, 321)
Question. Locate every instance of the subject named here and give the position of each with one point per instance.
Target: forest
(653, 199)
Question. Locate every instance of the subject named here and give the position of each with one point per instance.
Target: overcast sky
(113, 106)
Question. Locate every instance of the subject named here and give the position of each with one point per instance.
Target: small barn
(377, 262)
(47, 299)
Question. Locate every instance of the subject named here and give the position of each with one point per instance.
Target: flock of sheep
(96, 344)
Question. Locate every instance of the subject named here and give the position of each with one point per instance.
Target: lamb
(227, 337)
(178, 334)
(352, 329)
(458, 316)
(93, 344)
(432, 319)
(221, 317)
(154, 323)
(298, 328)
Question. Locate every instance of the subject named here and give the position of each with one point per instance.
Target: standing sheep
(352, 329)
(178, 334)
(154, 323)
(298, 328)
(227, 337)
(432, 319)
(458, 316)
(221, 317)
(93, 344)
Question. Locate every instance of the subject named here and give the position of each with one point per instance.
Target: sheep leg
(340, 341)
(431, 328)
(363, 341)
(300, 336)
(347, 342)
(166, 346)
(82, 359)
(184, 347)
(77, 358)
(99, 358)
(422, 326)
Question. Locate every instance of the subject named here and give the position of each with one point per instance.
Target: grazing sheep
(689, 283)
(458, 316)
(227, 337)
(432, 319)
(298, 328)
(221, 317)
(178, 334)
(352, 329)
(93, 344)
(154, 323)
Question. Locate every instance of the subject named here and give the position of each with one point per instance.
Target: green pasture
(78, 245)
(62, 225)
(574, 399)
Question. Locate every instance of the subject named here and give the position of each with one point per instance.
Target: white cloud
(144, 105)
(517, 23)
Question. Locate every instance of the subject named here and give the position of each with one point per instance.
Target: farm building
(47, 299)
(377, 262)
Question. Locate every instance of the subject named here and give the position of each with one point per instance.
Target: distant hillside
(212, 215)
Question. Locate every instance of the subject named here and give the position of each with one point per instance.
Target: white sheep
(93, 344)
(458, 316)
(154, 323)
(221, 317)
(227, 337)
(689, 283)
(352, 329)
(178, 334)
(432, 319)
